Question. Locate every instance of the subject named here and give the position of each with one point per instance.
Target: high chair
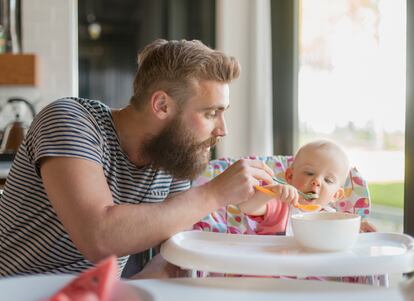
(356, 195)
(231, 220)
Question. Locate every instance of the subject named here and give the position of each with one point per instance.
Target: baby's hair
(325, 144)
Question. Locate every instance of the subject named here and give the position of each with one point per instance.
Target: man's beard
(177, 151)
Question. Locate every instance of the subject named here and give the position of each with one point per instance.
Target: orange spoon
(304, 207)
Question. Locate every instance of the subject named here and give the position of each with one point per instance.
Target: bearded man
(89, 181)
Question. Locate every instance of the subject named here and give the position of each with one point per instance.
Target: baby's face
(319, 171)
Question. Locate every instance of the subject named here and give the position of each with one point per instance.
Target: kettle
(15, 131)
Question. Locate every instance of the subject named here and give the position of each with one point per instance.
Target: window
(351, 88)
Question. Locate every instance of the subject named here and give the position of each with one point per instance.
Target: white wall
(243, 30)
(49, 30)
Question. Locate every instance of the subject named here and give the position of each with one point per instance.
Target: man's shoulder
(82, 113)
(75, 106)
(89, 104)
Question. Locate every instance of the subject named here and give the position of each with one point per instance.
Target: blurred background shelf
(18, 69)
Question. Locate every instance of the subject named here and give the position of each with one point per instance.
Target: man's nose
(221, 128)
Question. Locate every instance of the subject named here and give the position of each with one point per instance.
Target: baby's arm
(255, 206)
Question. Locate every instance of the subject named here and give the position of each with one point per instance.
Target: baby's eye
(309, 173)
(329, 181)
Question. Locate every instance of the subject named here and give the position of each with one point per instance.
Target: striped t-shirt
(32, 239)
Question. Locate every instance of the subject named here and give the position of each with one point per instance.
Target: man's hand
(236, 184)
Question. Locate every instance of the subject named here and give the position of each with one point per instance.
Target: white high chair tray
(268, 255)
(40, 287)
(248, 289)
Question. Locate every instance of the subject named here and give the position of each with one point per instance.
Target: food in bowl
(326, 231)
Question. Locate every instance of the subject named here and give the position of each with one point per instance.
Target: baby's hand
(367, 227)
(256, 205)
(285, 193)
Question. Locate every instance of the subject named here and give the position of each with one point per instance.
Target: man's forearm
(128, 229)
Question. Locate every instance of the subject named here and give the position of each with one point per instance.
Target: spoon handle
(310, 207)
(306, 196)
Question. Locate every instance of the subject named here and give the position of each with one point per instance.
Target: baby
(320, 169)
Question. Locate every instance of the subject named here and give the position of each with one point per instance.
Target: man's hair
(175, 66)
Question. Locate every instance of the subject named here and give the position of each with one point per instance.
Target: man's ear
(289, 174)
(162, 105)
(339, 194)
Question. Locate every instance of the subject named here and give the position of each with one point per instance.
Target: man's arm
(80, 195)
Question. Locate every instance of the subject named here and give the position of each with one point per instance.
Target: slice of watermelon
(94, 284)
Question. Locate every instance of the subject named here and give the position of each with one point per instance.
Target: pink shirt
(275, 220)
(230, 220)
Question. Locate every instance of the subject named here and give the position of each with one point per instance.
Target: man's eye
(211, 114)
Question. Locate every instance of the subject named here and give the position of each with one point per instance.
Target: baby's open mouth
(311, 195)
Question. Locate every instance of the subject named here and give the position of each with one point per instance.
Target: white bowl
(326, 231)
